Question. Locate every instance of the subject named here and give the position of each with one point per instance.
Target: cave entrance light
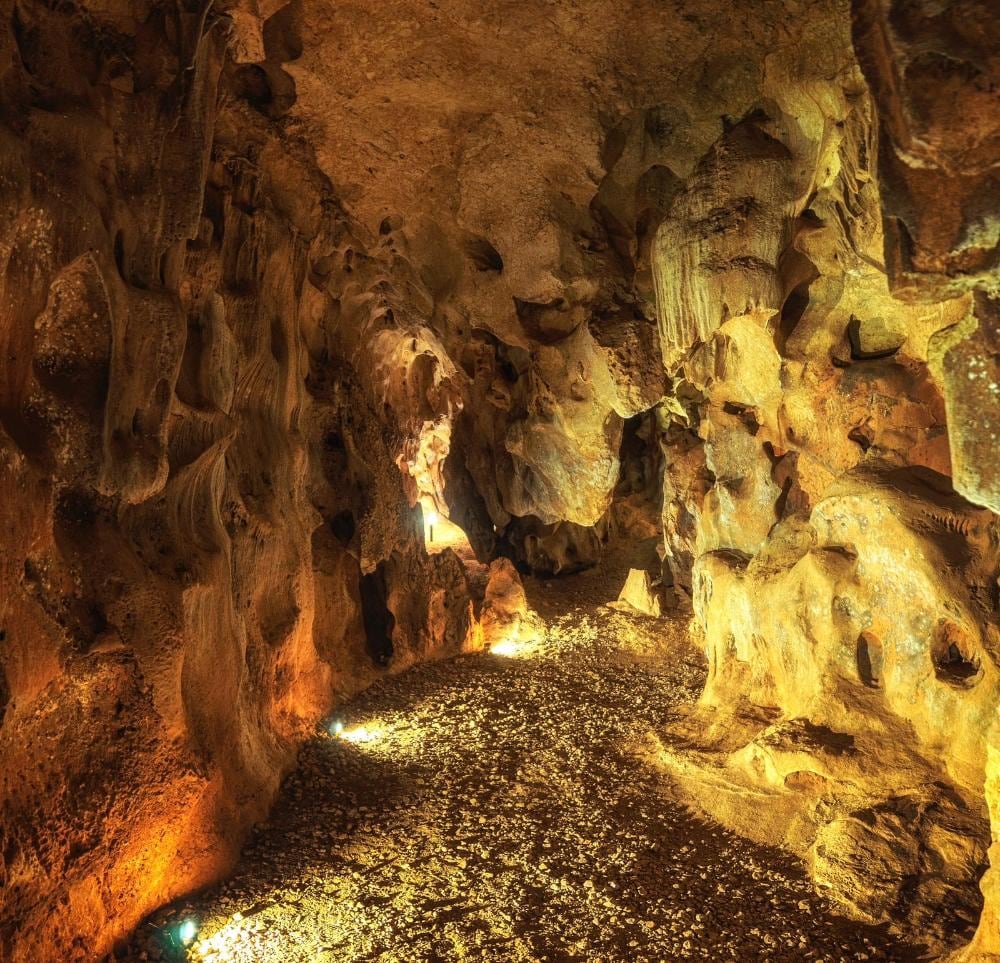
(422, 461)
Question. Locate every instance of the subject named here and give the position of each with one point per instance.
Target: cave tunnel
(502, 481)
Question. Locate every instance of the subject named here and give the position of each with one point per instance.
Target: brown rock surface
(505, 607)
(206, 537)
(281, 281)
(639, 594)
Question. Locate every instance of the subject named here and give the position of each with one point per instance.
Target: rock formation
(712, 288)
(934, 80)
(844, 589)
(640, 594)
(207, 384)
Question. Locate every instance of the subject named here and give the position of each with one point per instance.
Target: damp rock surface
(495, 808)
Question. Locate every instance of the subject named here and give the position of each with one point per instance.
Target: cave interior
(499, 481)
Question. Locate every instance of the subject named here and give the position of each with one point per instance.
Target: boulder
(640, 594)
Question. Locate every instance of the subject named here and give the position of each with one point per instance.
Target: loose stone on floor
(490, 808)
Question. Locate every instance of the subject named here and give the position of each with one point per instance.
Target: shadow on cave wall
(378, 619)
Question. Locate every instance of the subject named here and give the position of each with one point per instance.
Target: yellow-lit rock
(703, 294)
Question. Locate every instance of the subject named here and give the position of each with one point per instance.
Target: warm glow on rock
(441, 533)
(360, 734)
(524, 638)
(508, 648)
(451, 350)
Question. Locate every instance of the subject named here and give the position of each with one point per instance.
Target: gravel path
(489, 809)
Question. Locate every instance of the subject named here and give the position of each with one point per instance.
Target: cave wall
(199, 432)
(826, 281)
(933, 73)
(616, 272)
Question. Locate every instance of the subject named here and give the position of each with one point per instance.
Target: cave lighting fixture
(507, 648)
(338, 730)
(394, 735)
(520, 641)
(359, 734)
(186, 932)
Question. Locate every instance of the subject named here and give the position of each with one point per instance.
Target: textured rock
(638, 594)
(716, 254)
(811, 407)
(968, 358)
(276, 278)
(202, 510)
(869, 620)
(505, 606)
(875, 337)
(933, 81)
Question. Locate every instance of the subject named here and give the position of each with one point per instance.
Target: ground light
(522, 640)
(338, 730)
(359, 734)
(175, 940)
(508, 648)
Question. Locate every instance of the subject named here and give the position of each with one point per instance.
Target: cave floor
(494, 808)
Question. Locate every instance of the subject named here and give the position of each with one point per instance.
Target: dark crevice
(377, 617)
(483, 254)
(869, 658)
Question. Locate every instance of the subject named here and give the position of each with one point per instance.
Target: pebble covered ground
(490, 808)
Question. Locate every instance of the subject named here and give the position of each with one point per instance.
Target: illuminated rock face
(933, 81)
(864, 633)
(272, 273)
(205, 394)
(934, 84)
(828, 409)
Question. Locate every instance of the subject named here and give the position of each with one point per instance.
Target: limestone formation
(702, 292)
(207, 539)
(821, 611)
(505, 607)
(639, 594)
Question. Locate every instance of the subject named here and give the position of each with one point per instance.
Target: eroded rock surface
(832, 409)
(207, 538)
(713, 289)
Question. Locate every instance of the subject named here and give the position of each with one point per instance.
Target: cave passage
(499, 808)
(490, 480)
